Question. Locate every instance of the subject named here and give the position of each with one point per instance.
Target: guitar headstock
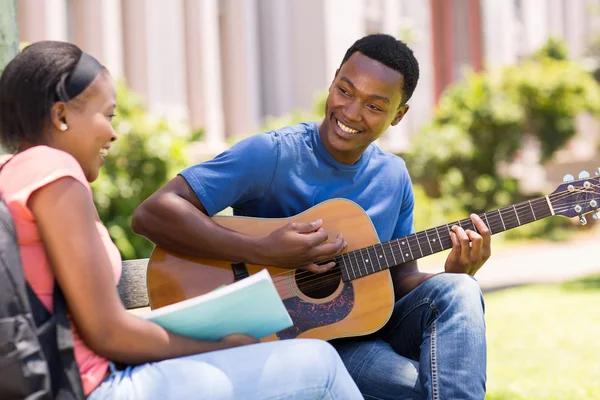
(575, 198)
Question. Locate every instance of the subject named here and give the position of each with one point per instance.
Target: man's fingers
(476, 246)
(316, 238)
(465, 246)
(319, 269)
(327, 250)
(482, 229)
(306, 227)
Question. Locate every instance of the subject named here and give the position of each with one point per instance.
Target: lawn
(544, 342)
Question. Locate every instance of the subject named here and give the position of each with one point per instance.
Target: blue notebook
(250, 306)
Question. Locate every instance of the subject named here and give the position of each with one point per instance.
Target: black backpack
(36, 347)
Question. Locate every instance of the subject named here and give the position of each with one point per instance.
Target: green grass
(544, 342)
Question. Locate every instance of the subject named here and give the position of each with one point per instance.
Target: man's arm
(407, 277)
(174, 218)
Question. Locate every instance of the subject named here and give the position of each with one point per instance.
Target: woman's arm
(66, 218)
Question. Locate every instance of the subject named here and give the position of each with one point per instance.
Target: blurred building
(225, 64)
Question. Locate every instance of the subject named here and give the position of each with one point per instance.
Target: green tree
(9, 32)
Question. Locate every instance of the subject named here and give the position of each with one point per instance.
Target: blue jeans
(289, 369)
(433, 346)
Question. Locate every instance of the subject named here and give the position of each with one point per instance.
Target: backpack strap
(71, 380)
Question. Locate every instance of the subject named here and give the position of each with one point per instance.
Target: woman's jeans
(289, 369)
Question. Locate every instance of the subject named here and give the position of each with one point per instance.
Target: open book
(250, 306)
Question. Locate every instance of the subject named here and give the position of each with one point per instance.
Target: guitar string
(419, 239)
(352, 269)
(327, 281)
(332, 279)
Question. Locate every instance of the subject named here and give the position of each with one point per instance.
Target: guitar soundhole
(318, 286)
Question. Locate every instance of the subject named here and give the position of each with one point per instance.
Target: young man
(437, 326)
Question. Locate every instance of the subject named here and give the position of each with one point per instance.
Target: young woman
(56, 106)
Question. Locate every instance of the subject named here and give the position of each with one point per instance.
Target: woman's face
(88, 118)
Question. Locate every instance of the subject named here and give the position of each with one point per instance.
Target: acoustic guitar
(356, 297)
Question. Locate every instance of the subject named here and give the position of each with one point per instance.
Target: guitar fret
(401, 251)
(376, 258)
(345, 266)
(488, 223)
(393, 255)
(365, 262)
(419, 244)
(532, 212)
(357, 264)
(517, 214)
(379, 257)
(428, 241)
(384, 256)
(501, 219)
(409, 249)
(439, 238)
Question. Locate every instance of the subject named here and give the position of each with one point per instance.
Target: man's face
(364, 100)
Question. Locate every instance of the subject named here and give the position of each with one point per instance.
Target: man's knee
(461, 291)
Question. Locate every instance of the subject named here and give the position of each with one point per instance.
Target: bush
(149, 153)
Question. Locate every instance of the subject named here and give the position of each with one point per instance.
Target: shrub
(480, 124)
(150, 151)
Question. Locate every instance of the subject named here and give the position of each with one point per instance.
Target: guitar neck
(357, 263)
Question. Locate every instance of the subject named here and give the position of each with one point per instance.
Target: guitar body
(321, 306)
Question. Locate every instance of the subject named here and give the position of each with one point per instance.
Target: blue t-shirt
(284, 172)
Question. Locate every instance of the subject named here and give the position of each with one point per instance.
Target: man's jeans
(433, 346)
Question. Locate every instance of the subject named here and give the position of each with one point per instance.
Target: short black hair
(393, 53)
(30, 84)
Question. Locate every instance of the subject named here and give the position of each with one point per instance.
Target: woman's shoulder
(40, 165)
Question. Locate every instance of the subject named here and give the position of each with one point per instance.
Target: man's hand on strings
(470, 249)
(301, 245)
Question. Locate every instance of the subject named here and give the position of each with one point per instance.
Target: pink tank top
(30, 170)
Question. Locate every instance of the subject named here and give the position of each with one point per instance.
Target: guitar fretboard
(357, 263)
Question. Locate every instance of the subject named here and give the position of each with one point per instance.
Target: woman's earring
(63, 127)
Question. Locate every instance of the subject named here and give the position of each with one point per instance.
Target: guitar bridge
(240, 271)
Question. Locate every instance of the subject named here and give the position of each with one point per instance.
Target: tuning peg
(584, 174)
(597, 172)
(582, 220)
(568, 178)
(593, 203)
(596, 215)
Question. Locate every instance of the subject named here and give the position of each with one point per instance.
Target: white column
(417, 17)
(95, 27)
(535, 24)
(166, 60)
(311, 72)
(241, 67)
(112, 37)
(203, 58)
(135, 53)
(278, 71)
(500, 33)
(575, 24)
(392, 22)
(42, 20)
(343, 26)
(556, 18)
